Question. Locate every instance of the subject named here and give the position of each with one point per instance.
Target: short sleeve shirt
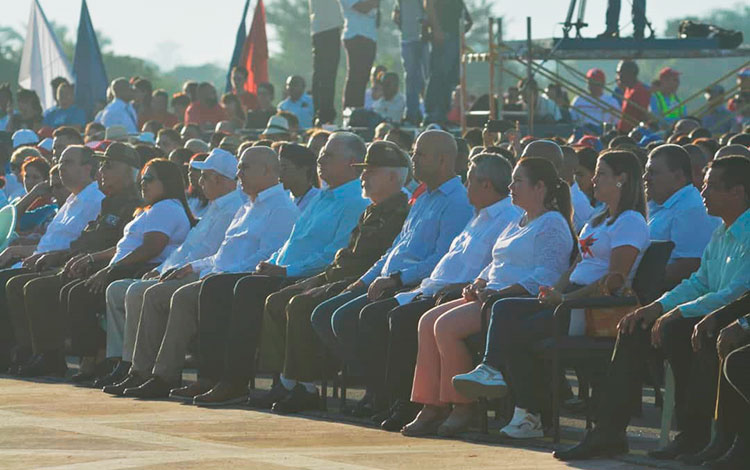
(166, 216)
(596, 245)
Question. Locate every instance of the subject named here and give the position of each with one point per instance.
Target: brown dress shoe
(132, 380)
(223, 393)
(188, 392)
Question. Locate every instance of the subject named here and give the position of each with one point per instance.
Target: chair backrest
(649, 277)
(7, 224)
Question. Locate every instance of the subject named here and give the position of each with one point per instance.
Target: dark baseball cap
(120, 152)
(384, 154)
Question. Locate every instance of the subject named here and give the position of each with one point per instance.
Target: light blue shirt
(359, 24)
(205, 238)
(119, 113)
(302, 108)
(321, 230)
(412, 15)
(257, 229)
(682, 219)
(433, 222)
(723, 276)
(304, 200)
(73, 115)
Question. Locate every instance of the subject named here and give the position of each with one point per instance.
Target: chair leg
(556, 397)
(342, 400)
(324, 395)
(484, 420)
(668, 408)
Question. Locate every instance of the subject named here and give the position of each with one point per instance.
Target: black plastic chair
(585, 351)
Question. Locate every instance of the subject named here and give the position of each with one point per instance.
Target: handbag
(601, 322)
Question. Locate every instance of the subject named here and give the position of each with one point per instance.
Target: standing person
(248, 100)
(635, 96)
(409, 16)
(298, 102)
(325, 27)
(258, 118)
(65, 113)
(205, 112)
(443, 18)
(596, 112)
(360, 36)
(613, 19)
(665, 103)
(159, 111)
(120, 111)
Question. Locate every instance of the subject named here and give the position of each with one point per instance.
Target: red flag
(255, 51)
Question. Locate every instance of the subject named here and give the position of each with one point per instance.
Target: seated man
(298, 173)
(288, 310)
(676, 211)
(434, 221)
(217, 181)
(231, 305)
(667, 323)
(82, 206)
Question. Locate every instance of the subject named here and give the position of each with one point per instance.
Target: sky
(193, 32)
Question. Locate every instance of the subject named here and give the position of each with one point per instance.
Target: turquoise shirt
(723, 276)
(322, 229)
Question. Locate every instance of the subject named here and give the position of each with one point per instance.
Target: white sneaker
(523, 425)
(483, 381)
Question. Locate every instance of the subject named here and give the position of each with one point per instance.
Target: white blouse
(166, 216)
(596, 245)
(532, 255)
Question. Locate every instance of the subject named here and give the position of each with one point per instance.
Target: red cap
(596, 75)
(668, 71)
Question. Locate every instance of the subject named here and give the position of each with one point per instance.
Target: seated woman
(147, 241)
(37, 208)
(611, 245)
(531, 252)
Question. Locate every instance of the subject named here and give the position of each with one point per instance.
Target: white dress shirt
(258, 229)
(531, 255)
(359, 24)
(582, 208)
(324, 15)
(470, 250)
(594, 109)
(683, 220)
(78, 210)
(391, 110)
(206, 237)
(119, 113)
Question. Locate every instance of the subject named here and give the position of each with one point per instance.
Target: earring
(619, 185)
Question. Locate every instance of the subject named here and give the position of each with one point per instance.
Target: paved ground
(59, 426)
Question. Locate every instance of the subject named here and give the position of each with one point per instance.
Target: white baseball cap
(24, 137)
(220, 161)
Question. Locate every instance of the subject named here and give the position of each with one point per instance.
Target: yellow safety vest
(677, 113)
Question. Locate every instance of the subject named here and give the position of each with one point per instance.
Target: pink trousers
(442, 352)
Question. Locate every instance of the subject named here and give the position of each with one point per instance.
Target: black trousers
(360, 54)
(7, 336)
(695, 374)
(733, 403)
(326, 53)
(401, 348)
(230, 319)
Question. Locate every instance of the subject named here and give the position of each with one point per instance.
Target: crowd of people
(148, 236)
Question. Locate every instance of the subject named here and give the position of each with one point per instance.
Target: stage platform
(47, 424)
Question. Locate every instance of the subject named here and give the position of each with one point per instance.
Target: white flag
(43, 58)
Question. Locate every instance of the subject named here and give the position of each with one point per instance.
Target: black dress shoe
(720, 445)
(117, 374)
(155, 387)
(609, 35)
(131, 381)
(99, 369)
(364, 408)
(49, 364)
(266, 400)
(596, 444)
(402, 413)
(736, 459)
(681, 445)
(297, 400)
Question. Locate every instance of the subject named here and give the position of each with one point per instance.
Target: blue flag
(238, 44)
(88, 68)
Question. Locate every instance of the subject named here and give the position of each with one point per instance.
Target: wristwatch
(744, 324)
(396, 276)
